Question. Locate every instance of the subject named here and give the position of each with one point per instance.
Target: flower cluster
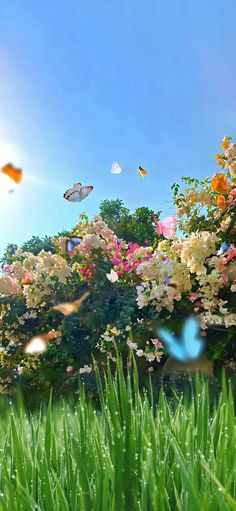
(152, 351)
(227, 159)
(132, 287)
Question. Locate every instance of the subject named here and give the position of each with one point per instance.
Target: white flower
(85, 369)
(150, 357)
(140, 353)
(139, 321)
(132, 345)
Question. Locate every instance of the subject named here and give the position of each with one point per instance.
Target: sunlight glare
(8, 153)
(6, 184)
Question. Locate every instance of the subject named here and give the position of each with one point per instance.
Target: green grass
(128, 453)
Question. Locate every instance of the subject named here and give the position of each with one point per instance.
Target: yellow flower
(225, 143)
(219, 183)
(221, 202)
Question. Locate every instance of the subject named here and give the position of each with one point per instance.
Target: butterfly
(224, 247)
(189, 346)
(142, 172)
(116, 168)
(68, 308)
(9, 178)
(71, 243)
(12, 172)
(39, 343)
(167, 227)
(112, 276)
(77, 193)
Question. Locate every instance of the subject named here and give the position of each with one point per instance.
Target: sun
(8, 153)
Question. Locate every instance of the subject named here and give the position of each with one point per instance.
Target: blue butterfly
(72, 243)
(189, 346)
(224, 247)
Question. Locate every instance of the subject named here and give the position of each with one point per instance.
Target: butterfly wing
(36, 345)
(175, 348)
(69, 246)
(115, 168)
(112, 276)
(224, 247)
(169, 226)
(72, 243)
(13, 172)
(75, 240)
(85, 191)
(66, 308)
(142, 172)
(73, 194)
(192, 343)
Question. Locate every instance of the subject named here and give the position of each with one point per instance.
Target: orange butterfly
(142, 172)
(68, 308)
(12, 172)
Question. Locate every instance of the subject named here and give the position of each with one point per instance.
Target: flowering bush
(133, 288)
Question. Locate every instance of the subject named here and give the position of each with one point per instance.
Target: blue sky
(85, 83)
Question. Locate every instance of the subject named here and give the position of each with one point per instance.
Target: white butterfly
(112, 276)
(39, 343)
(115, 168)
(77, 193)
(36, 345)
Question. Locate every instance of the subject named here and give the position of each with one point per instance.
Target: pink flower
(157, 344)
(146, 241)
(192, 297)
(70, 369)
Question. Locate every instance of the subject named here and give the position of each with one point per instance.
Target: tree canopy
(136, 227)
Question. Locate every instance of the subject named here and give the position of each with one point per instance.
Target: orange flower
(225, 143)
(219, 183)
(221, 203)
(219, 159)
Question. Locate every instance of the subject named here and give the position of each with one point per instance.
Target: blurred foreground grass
(130, 452)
